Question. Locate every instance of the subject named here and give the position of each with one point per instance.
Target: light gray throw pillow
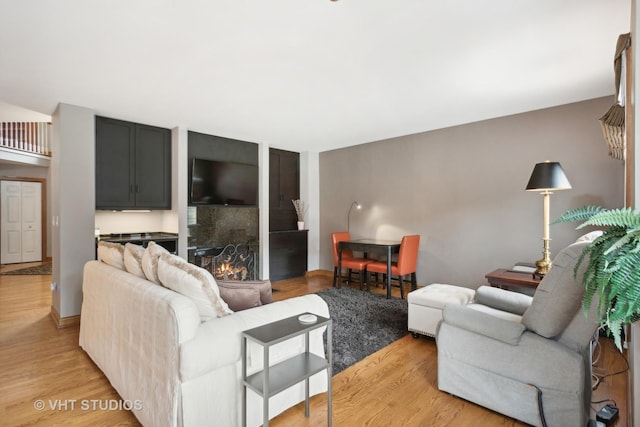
(501, 299)
(558, 296)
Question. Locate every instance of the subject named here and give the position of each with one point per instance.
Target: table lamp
(545, 178)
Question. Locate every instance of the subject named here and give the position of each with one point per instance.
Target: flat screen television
(223, 183)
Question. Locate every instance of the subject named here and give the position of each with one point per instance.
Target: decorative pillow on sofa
(133, 259)
(112, 254)
(239, 297)
(263, 287)
(194, 282)
(150, 261)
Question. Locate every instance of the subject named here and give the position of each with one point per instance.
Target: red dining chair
(406, 264)
(348, 260)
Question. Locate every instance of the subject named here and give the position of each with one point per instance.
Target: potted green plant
(613, 269)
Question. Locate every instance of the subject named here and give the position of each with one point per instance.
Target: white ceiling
(308, 75)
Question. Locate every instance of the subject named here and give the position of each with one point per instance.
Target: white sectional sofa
(171, 367)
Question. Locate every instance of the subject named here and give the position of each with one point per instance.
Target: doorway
(21, 221)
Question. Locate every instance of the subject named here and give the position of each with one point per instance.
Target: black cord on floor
(597, 350)
(540, 408)
(595, 402)
(599, 378)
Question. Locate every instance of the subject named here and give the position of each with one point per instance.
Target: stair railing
(32, 137)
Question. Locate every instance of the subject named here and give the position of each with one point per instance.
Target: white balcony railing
(32, 137)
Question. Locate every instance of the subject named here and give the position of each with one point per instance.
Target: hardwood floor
(40, 364)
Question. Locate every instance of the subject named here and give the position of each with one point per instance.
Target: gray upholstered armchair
(526, 357)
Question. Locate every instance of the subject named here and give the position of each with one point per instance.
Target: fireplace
(213, 228)
(231, 262)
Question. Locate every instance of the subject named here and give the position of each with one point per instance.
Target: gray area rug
(363, 323)
(36, 270)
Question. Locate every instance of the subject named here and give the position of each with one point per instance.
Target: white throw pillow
(133, 259)
(194, 282)
(112, 254)
(150, 261)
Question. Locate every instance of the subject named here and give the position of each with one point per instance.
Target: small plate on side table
(308, 319)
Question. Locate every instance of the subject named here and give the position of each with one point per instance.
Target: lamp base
(543, 265)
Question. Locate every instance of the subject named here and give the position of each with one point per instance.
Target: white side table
(274, 379)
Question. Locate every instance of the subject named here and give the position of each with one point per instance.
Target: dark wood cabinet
(287, 244)
(153, 167)
(287, 254)
(115, 145)
(133, 165)
(284, 186)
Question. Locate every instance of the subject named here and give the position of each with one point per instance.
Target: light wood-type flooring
(47, 379)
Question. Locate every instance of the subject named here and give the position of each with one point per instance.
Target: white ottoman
(426, 304)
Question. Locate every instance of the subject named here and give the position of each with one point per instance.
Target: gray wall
(73, 204)
(462, 189)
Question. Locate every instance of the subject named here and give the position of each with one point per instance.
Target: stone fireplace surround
(215, 227)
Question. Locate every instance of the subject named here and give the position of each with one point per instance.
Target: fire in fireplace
(234, 262)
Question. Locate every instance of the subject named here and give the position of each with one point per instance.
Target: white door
(20, 222)
(11, 232)
(31, 221)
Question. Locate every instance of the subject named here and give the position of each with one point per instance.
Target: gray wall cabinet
(133, 165)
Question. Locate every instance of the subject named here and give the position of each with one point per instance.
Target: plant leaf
(579, 214)
(612, 272)
(627, 218)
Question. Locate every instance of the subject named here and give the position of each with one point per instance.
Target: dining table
(366, 246)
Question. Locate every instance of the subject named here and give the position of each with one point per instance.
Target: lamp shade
(548, 176)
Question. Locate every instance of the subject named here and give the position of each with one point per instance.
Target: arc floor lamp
(358, 206)
(546, 178)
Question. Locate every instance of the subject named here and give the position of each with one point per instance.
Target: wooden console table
(503, 278)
